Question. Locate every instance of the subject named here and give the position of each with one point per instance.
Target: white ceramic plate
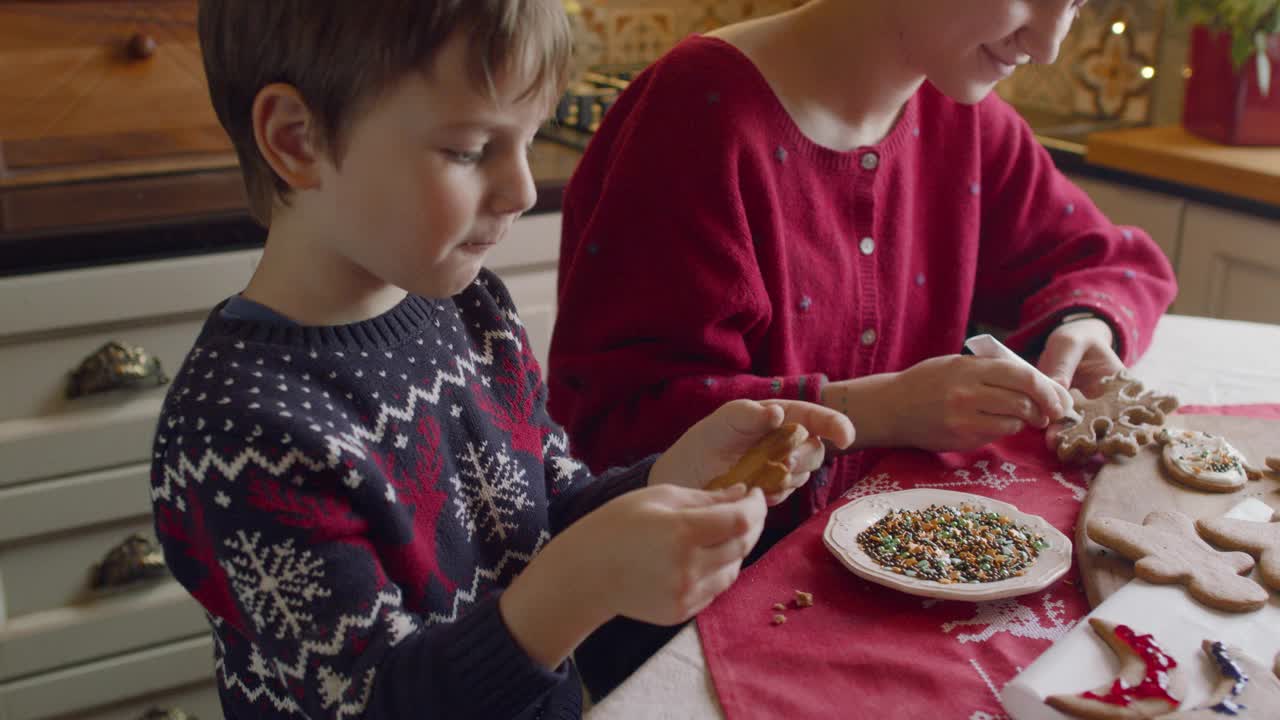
(841, 538)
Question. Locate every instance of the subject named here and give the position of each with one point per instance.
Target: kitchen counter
(65, 221)
(1173, 154)
(1169, 160)
(77, 217)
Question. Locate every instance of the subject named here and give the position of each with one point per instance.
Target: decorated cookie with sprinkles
(1260, 539)
(1149, 684)
(1247, 689)
(1202, 461)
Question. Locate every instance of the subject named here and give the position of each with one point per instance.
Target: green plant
(1250, 22)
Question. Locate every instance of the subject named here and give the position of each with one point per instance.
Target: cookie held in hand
(1260, 539)
(1167, 550)
(1121, 419)
(765, 464)
(1148, 686)
(1246, 690)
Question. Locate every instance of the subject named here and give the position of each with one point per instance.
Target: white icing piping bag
(986, 346)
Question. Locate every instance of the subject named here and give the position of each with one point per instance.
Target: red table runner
(865, 651)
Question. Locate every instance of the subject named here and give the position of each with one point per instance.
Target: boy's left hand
(1078, 354)
(715, 443)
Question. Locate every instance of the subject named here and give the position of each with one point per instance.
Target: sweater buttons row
(867, 246)
(869, 337)
(870, 161)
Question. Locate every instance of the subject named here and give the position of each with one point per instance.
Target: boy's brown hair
(341, 55)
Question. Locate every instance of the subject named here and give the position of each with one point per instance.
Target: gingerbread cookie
(1118, 421)
(1149, 683)
(765, 464)
(1202, 461)
(1247, 691)
(1167, 550)
(1260, 539)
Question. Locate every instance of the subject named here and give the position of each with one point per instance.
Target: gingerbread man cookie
(1148, 685)
(765, 464)
(1167, 550)
(1203, 461)
(1118, 421)
(1247, 691)
(1260, 539)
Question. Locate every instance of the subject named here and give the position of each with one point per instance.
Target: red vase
(1226, 104)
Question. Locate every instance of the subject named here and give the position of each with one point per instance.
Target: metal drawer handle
(157, 713)
(115, 366)
(135, 560)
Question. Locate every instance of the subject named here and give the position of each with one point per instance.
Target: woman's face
(965, 48)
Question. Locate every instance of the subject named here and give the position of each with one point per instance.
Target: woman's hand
(1078, 354)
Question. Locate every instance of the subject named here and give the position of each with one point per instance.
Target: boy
(354, 472)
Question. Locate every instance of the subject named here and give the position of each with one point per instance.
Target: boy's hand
(960, 403)
(715, 443)
(1078, 354)
(661, 554)
(658, 554)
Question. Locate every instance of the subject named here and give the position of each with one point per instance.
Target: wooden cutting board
(1132, 487)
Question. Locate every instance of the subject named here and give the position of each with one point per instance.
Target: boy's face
(965, 48)
(433, 175)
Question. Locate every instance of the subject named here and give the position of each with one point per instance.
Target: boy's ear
(286, 135)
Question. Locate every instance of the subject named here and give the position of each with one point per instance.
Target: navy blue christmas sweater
(347, 504)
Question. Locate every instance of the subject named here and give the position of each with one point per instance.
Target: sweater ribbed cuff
(489, 669)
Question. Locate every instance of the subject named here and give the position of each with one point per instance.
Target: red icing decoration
(1155, 682)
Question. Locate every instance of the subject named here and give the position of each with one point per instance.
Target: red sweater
(711, 251)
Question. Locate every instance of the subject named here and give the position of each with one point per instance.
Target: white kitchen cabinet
(526, 261)
(1157, 213)
(1229, 265)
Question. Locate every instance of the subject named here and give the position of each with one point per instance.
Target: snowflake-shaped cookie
(1121, 419)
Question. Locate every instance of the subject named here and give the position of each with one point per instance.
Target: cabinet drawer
(1230, 266)
(199, 702)
(141, 618)
(50, 322)
(138, 676)
(53, 535)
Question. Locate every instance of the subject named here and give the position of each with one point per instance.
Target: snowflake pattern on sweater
(347, 503)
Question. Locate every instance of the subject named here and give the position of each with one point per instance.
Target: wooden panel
(1230, 266)
(1171, 153)
(65, 72)
(81, 688)
(123, 201)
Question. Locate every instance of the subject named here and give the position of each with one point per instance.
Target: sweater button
(868, 337)
(867, 246)
(870, 161)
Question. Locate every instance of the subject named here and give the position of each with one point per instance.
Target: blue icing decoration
(1230, 670)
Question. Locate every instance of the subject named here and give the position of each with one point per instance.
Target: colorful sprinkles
(949, 544)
